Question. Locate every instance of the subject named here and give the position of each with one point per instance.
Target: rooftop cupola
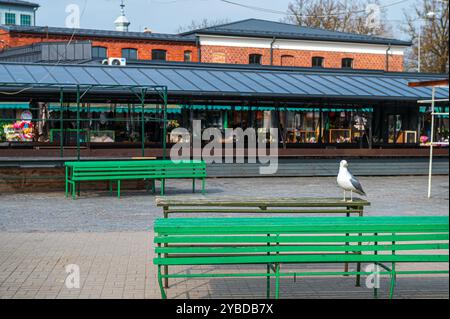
(122, 23)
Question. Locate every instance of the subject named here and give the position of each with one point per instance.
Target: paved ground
(99, 212)
(111, 242)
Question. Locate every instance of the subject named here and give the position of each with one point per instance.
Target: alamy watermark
(373, 19)
(73, 276)
(258, 146)
(373, 280)
(73, 17)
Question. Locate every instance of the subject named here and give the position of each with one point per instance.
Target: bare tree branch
(204, 23)
(345, 16)
(434, 36)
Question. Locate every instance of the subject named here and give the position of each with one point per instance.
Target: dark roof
(222, 82)
(20, 3)
(270, 29)
(98, 33)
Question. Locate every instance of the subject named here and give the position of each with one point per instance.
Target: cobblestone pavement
(119, 265)
(111, 241)
(136, 211)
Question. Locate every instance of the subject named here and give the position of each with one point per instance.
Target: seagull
(348, 182)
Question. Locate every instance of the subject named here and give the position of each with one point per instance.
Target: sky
(166, 16)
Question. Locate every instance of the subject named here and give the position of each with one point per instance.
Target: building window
(255, 59)
(159, 55)
(347, 63)
(130, 54)
(10, 18)
(25, 19)
(317, 62)
(187, 56)
(287, 60)
(99, 52)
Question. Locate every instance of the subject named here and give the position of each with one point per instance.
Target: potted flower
(423, 139)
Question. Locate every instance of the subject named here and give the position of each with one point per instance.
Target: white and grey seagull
(348, 182)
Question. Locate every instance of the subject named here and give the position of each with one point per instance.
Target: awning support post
(78, 122)
(61, 122)
(430, 172)
(143, 94)
(165, 123)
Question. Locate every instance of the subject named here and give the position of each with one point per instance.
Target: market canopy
(217, 84)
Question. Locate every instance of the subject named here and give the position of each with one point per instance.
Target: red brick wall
(175, 50)
(214, 54)
(235, 55)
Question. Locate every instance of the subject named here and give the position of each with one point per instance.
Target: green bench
(235, 205)
(118, 171)
(273, 242)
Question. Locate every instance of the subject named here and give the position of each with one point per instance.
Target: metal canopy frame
(434, 84)
(78, 92)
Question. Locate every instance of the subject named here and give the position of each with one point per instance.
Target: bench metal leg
(203, 186)
(160, 282)
(193, 185)
(67, 182)
(393, 280)
(166, 272)
(277, 282)
(118, 189)
(375, 289)
(393, 275)
(268, 271)
(358, 266)
(153, 186)
(268, 282)
(166, 268)
(163, 186)
(74, 186)
(346, 268)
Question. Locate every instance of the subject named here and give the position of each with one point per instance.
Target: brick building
(272, 43)
(131, 45)
(249, 41)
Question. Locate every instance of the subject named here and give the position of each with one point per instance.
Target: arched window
(255, 59)
(347, 63)
(187, 56)
(130, 54)
(287, 60)
(317, 62)
(159, 55)
(99, 52)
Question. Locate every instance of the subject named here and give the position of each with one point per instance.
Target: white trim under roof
(300, 45)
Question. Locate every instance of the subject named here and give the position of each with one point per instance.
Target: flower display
(20, 131)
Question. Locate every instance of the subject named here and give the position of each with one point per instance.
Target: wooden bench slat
(242, 201)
